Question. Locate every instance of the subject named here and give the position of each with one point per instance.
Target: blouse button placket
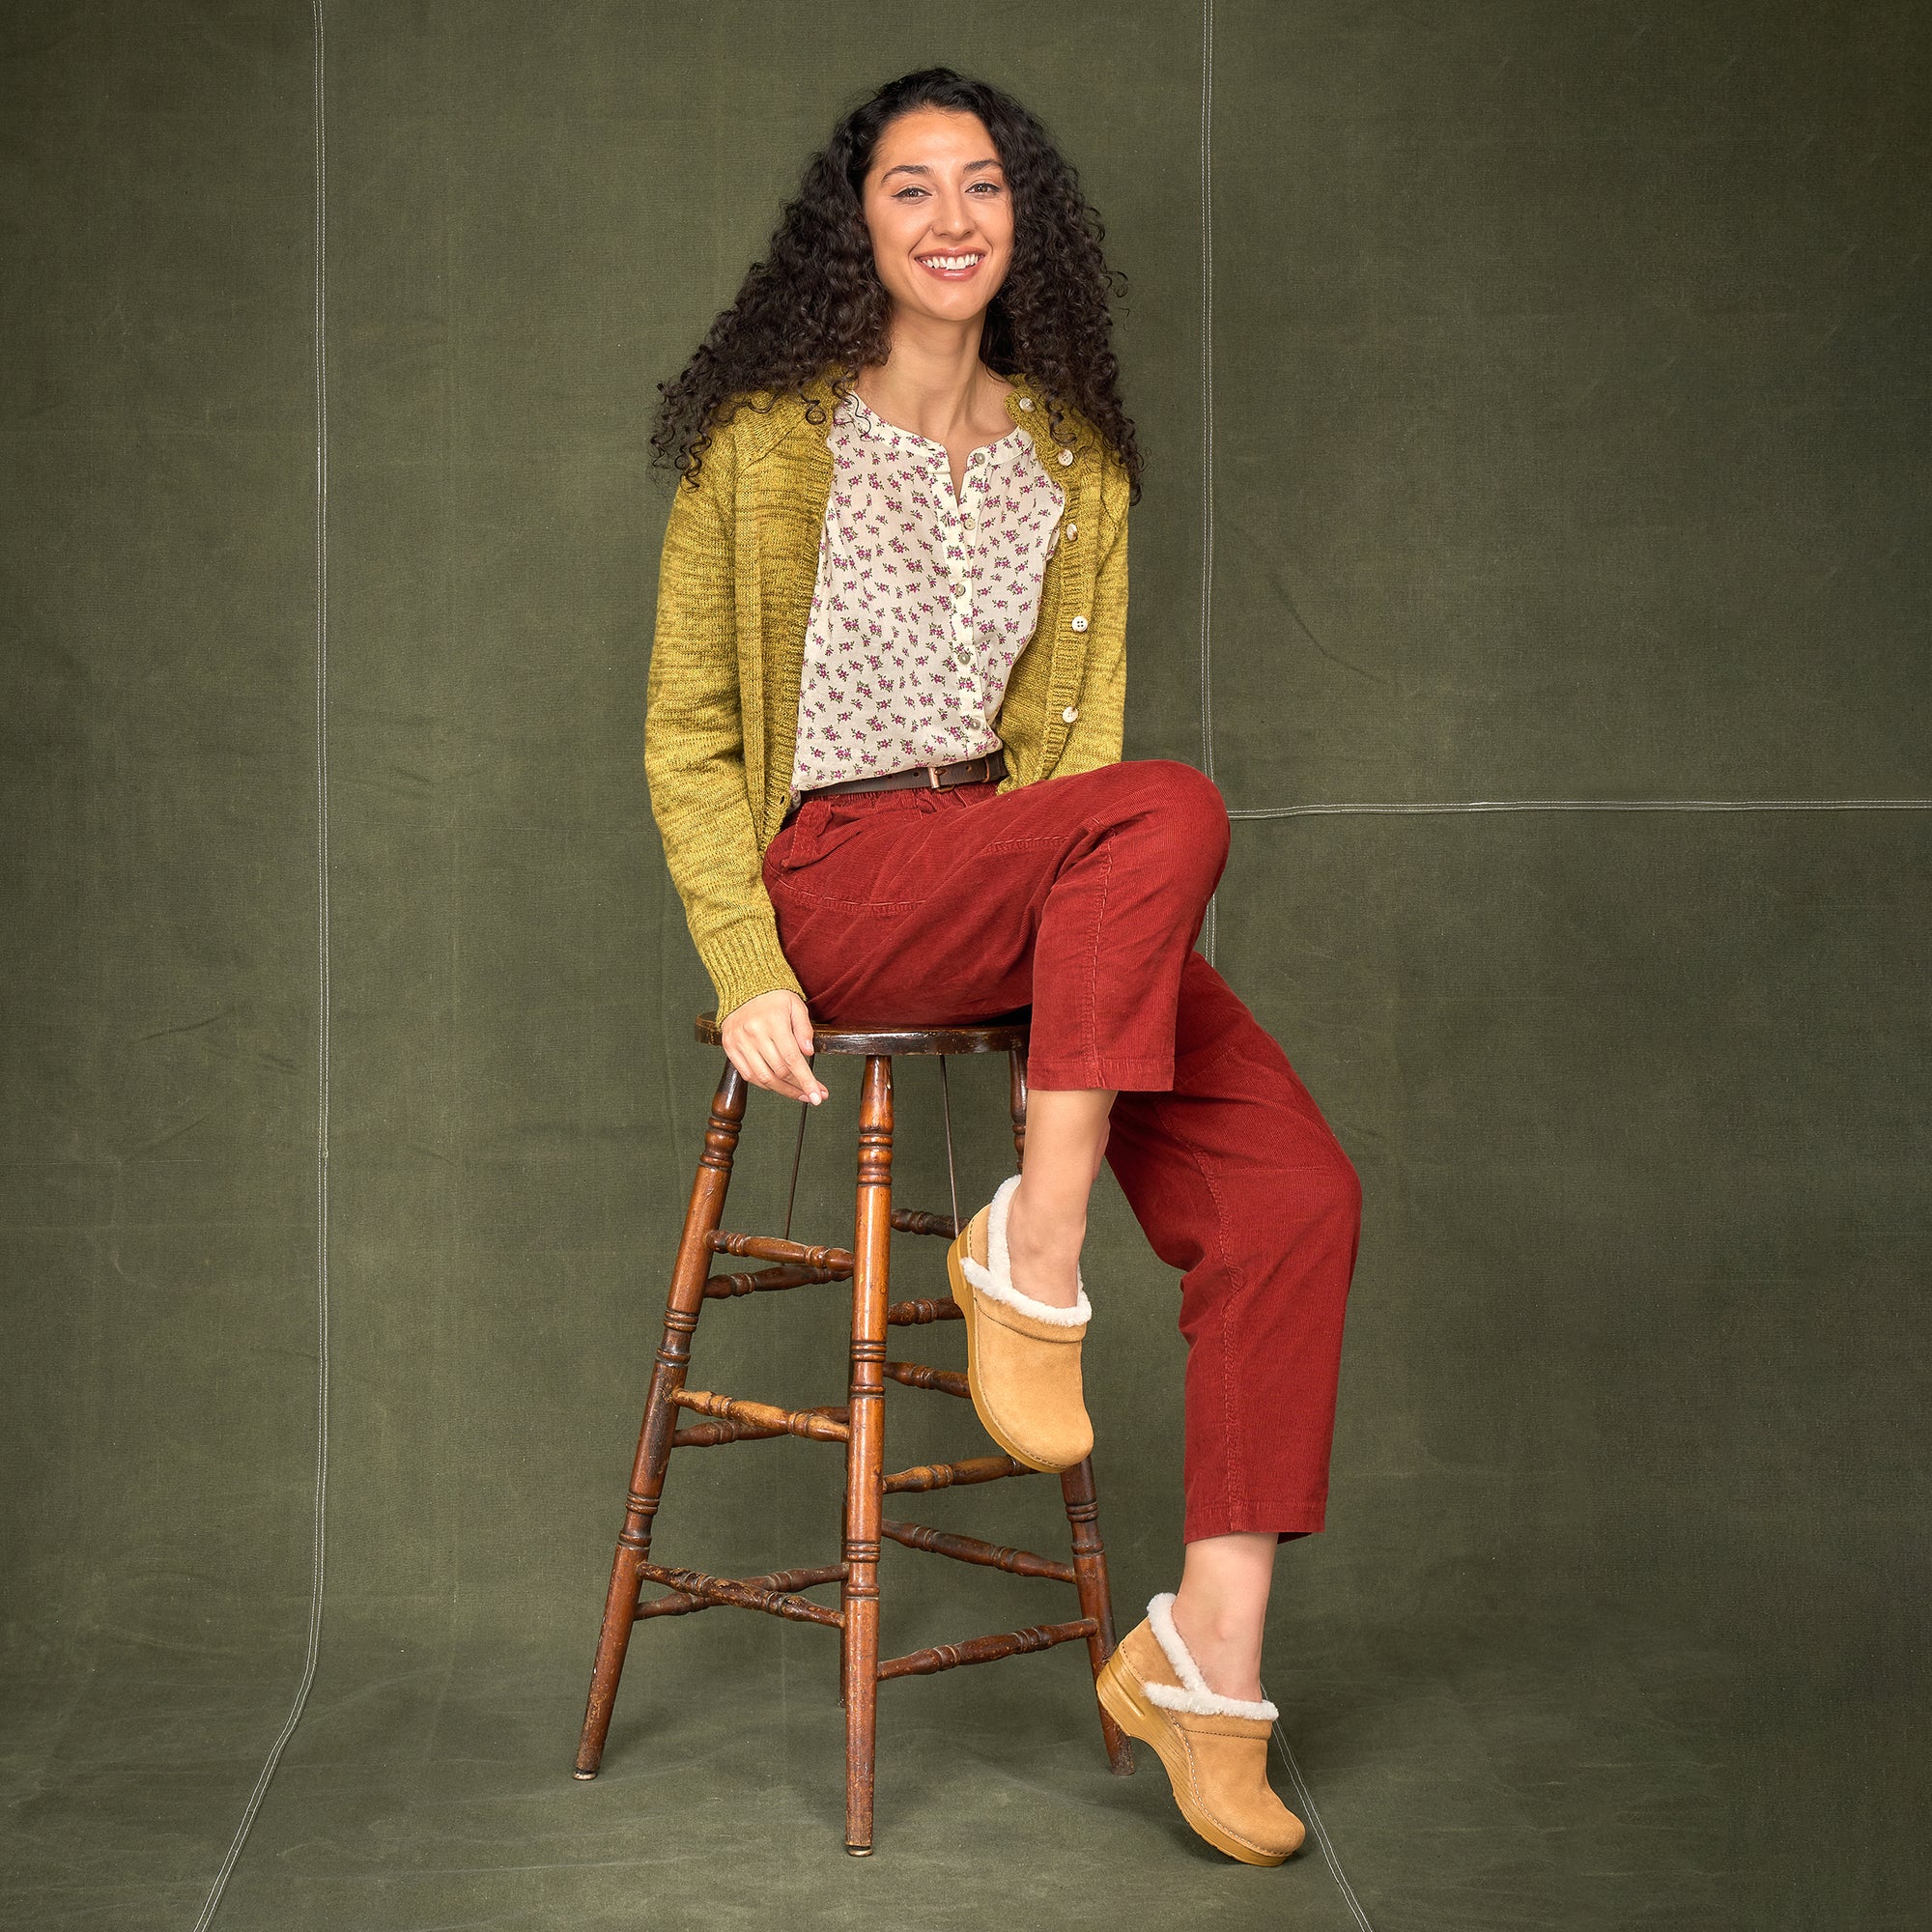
(960, 540)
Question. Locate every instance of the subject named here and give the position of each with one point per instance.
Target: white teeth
(948, 261)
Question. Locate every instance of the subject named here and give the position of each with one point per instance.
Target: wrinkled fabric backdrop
(1565, 443)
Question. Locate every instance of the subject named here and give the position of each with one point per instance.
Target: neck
(932, 381)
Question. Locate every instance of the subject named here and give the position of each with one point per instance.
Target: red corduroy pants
(1082, 896)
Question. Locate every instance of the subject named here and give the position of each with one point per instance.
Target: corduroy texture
(735, 581)
(1079, 899)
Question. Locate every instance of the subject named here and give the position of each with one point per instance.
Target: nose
(951, 217)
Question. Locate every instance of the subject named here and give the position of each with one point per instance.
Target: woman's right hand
(768, 1040)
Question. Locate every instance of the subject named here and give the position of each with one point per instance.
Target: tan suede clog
(1213, 1748)
(1022, 1355)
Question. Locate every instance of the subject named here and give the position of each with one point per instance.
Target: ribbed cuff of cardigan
(745, 960)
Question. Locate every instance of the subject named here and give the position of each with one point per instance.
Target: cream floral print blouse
(924, 599)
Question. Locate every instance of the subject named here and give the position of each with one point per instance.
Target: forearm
(694, 747)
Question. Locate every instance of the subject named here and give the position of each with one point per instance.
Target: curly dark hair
(816, 304)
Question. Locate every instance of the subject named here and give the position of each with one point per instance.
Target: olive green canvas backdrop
(1568, 442)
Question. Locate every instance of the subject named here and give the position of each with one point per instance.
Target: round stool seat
(1006, 1035)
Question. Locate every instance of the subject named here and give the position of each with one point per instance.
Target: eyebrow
(919, 168)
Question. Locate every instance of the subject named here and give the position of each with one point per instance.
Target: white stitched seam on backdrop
(1208, 417)
(319, 1542)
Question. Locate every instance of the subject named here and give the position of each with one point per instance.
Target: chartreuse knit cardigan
(735, 583)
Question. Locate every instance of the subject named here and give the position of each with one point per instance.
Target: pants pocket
(796, 844)
(862, 861)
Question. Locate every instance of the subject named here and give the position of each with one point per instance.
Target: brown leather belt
(930, 778)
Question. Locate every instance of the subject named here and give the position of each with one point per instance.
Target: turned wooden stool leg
(1082, 1512)
(865, 1449)
(1096, 1599)
(673, 1359)
(844, 1537)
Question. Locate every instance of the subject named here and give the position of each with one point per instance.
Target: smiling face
(941, 216)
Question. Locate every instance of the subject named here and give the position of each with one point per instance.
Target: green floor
(1492, 1780)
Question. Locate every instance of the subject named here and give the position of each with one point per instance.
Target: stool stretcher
(984, 1649)
(970, 1549)
(680, 1604)
(725, 1593)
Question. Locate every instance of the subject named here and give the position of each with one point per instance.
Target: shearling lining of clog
(1193, 1694)
(996, 1279)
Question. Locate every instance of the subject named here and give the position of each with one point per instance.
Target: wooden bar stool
(859, 1424)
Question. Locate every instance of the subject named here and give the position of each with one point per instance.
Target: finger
(764, 1071)
(801, 1030)
(742, 1053)
(776, 1076)
(785, 1049)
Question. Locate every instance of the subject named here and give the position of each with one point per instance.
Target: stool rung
(764, 1248)
(984, 1649)
(760, 1280)
(679, 1604)
(768, 1248)
(712, 1435)
(904, 1314)
(916, 1375)
(819, 1427)
(947, 1475)
(970, 1550)
(906, 1222)
(728, 1593)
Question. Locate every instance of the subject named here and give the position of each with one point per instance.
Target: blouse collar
(871, 423)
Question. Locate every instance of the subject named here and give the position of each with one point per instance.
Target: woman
(883, 739)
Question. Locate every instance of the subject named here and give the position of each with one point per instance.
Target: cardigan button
(1072, 531)
(1066, 456)
(1067, 716)
(1026, 402)
(1079, 623)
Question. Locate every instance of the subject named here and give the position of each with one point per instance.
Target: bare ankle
(1044, 1251)
(1227, 1647)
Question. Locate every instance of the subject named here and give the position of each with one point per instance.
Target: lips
(931, 265)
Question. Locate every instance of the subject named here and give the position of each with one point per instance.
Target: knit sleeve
(1097, 733)
(694, 746)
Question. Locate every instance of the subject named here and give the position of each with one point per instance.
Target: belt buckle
(932, 777)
